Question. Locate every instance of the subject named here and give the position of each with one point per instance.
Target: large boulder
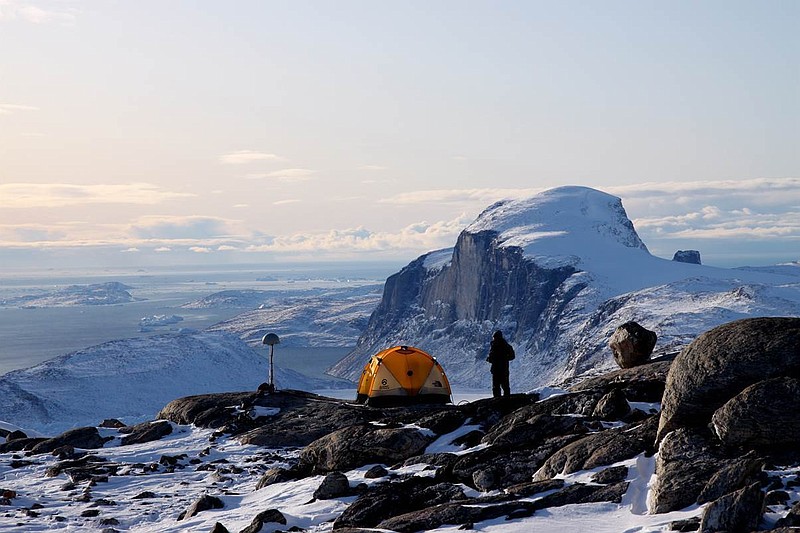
(686, 462)
(86, 438)
(737, 512)
(265, 517)
(334, 485)
(632, 344)
(735, 475)
(205, 502)
(359, 445)
(599, 449)
(722, 362)
(762, 415)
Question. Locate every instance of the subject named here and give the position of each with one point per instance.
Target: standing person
(500, 353)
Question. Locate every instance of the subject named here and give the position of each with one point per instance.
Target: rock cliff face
(557, 273)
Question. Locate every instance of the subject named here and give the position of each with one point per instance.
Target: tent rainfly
(403, 375)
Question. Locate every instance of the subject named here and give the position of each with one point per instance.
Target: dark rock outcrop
(737, 512)
(722, 362)
(204, 503)
(363, 444)
(85, 438)
(265, 517)
(467, 513)
(735, 475)
(644, 383)
(612, 406)
(389, 499)
(686, 462)
(687, 256)
(760, 416)
(145, 432)
(598, 449)
(334, 485)
(277, 475)
(206, 410)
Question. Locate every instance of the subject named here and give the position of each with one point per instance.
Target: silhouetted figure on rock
(500, 353)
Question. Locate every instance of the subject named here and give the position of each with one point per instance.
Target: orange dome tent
(403, 375)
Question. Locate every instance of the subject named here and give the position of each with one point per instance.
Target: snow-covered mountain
(557, 272)
(132, 379)
(319, 319)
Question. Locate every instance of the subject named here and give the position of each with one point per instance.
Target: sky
(155, 133)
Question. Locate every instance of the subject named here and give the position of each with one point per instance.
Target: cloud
(755, 209)
(28, 12)
(13, 233)
(284, 202)
(200, 249)
(131, 250)
(35, 195)
(287, 175)
(242, 157)
(759, 191)
(6, 109)
(176, 227)
(458, 196)
(227, 248)
(163, 249)
(419, 236)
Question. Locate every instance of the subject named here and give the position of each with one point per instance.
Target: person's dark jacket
(500, 353)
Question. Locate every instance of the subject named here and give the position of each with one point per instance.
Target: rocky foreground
(719, 421)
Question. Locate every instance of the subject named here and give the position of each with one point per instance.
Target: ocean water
(29, 336)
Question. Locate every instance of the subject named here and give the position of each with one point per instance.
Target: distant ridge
(132, 379)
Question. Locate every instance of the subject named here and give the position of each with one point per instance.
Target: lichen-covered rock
(385, 500)
(632, 344)
(599, 449)
(722, 362)
(686, 461)
(494, 468)
(737, 512)
(760, 416)
(612, 474)
(736, 474)
(356, 446)
(516, 432)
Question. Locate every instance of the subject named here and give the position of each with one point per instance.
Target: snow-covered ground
(224, 468)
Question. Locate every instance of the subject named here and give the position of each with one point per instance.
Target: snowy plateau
(557, 273)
